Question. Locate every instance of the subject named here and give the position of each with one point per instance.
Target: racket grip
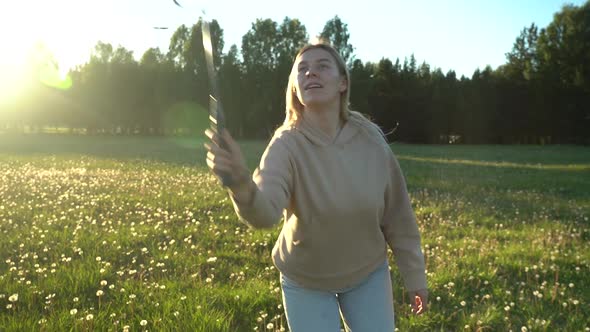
(226, 178)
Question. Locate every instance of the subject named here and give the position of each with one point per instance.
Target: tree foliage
(540, 95)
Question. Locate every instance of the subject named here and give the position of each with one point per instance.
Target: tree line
(541, 95)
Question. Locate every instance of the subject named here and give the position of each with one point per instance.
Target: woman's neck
(327, 120)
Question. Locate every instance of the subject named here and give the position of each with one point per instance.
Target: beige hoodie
(343, 202)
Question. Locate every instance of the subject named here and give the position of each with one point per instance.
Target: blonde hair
(294, 108)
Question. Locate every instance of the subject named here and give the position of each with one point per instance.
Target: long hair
(294, 108)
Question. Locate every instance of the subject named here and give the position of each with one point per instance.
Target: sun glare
(63, 29)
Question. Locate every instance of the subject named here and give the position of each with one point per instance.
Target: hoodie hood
(318, 137)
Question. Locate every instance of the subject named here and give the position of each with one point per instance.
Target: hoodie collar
(320, 138)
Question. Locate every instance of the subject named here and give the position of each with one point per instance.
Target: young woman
(330, 173)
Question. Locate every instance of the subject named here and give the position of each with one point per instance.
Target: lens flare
(51, 76)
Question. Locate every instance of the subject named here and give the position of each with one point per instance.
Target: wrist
(243, 191)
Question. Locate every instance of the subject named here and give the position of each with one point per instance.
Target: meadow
(134, 234)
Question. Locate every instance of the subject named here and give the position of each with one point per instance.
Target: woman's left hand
(419, 301)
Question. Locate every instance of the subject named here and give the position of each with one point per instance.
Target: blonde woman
(330, 173)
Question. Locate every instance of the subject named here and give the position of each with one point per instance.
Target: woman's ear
(343, 85)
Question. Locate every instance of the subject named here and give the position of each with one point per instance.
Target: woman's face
(318, 80)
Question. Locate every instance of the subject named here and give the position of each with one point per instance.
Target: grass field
(117, 233)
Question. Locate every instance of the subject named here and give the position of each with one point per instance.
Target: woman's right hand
(230, 163)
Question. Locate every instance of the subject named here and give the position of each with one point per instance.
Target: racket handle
(226, 178)
(217, 118)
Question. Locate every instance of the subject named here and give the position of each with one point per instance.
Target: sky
(460, 35)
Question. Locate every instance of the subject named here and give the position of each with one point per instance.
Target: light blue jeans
(366, 307)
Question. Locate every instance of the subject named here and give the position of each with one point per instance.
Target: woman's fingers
(218, 168)
(419, 301)
(214, 137)
(221, 159)
(229, 140)
(225, 158)
(217, 151)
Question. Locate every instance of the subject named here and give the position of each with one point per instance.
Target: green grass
(505, 234)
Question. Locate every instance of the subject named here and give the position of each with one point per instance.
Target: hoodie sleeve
(401, 230)
(273, 183)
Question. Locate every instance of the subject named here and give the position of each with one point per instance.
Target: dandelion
(98, 259)
(13, 298)
(211, 259)
(76, 299)
(89, 317)
(73, 311)
(99, 293)
(103, 283)
(143, 322)
(463, 303)
(571, 285)
(524, 329)
(507, 308)
(270, 326)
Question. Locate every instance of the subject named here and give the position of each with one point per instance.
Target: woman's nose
(311, 71)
